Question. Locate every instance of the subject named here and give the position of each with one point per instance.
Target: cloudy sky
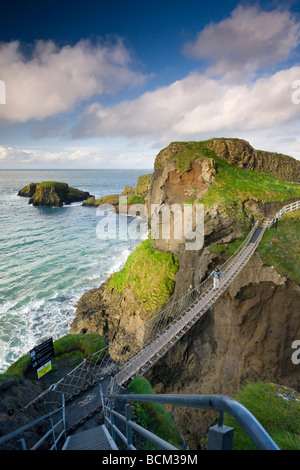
(101, 84)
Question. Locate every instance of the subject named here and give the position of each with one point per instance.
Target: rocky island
(52, 193)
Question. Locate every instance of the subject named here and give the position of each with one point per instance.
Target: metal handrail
(161, 443)
(109, 418)
(20, 431)
(221, 403)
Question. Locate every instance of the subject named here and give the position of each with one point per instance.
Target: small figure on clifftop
(217, 274)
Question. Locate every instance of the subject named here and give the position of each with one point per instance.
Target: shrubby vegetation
(153, 416)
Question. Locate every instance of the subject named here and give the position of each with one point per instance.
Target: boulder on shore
(52, 193)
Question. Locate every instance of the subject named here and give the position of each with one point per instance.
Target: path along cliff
(248, 334)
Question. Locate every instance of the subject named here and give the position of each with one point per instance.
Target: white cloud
(250, 39)
(85, 156)
(195, 105)
(53, 80)
(204, 105)
(235, 102)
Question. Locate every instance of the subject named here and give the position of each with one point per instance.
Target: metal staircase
(121, 427)
(97, 438)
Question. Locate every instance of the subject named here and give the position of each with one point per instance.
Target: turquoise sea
(49, 257)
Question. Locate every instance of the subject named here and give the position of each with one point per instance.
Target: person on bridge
(217, 274)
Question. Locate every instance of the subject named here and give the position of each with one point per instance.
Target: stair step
(97, 438)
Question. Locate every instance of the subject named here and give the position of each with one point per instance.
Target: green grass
(142, 184)
(153, 416)
(227, 248)
(135, 200)
(150, 273)
(87, 344)
(280, 247)
(186, 152)
(111, 199)
(84, 345)
(279, 417)
(232, 185)
(62, 186)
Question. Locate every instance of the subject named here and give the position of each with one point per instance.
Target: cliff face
(249, 332)
(246, 336)
(240, 153)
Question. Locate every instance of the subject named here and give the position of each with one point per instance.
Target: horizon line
(69, 169)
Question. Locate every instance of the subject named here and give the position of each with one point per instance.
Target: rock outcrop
(247, 336)
(240, 153)
(51, 193)
(134, 195)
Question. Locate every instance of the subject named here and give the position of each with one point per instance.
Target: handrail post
(21, 443)
(220, 437)
(112, 419)
(128, 428)
(221, 419)
(53, 433)
(64, 415)
(101, 398)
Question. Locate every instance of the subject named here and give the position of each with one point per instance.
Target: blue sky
(100, 84)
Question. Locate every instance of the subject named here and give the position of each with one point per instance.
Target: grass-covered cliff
(233, 183)
(134, 195)
(236, 152)
(277, 408)
(280, 246)
(234, 193)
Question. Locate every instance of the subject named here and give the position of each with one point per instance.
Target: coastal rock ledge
(52, 193)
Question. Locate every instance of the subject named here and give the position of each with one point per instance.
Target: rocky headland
(240, 153)
(52, 193)
(247, 335)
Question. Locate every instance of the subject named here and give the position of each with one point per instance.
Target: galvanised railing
(220, 437)
(20, 434)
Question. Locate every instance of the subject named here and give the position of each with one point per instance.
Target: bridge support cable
(137, 351)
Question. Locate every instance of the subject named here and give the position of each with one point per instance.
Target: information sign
(41, 354)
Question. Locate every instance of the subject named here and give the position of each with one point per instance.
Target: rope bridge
(140, 349)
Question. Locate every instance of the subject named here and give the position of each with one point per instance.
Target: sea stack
(52, 193)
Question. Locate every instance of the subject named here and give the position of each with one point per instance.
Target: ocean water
(49, 257)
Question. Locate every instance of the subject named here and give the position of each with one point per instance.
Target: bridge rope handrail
(109, 360)
(160, 319)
